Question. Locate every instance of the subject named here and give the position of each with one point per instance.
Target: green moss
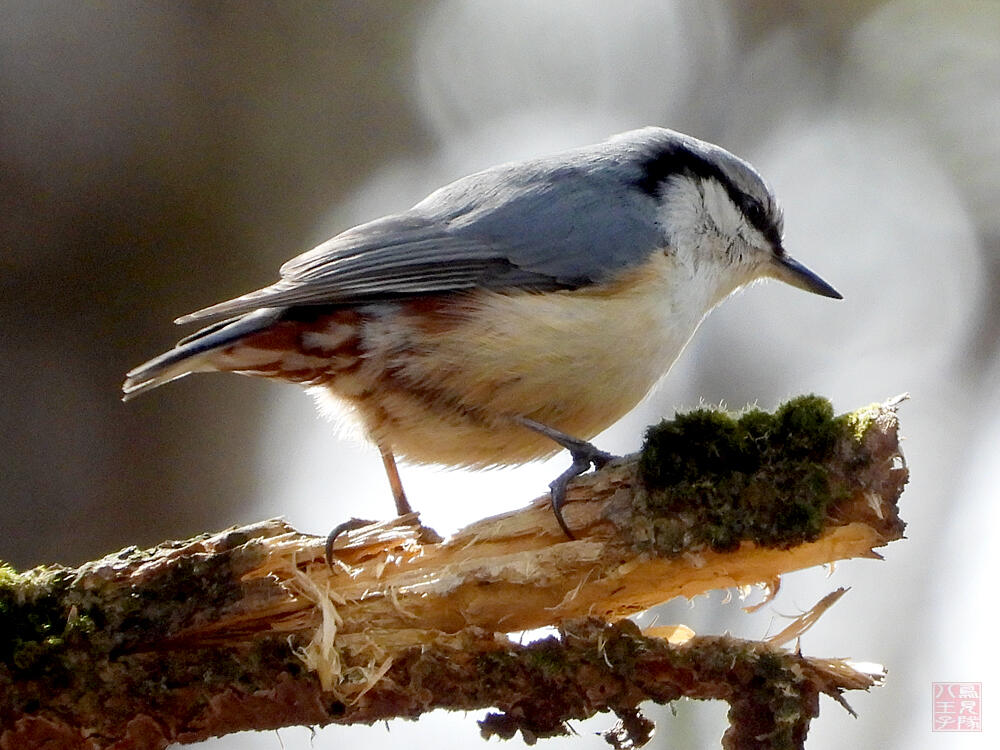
(33, 623)
(74, 637)
(55, 629)
(716, 479)
(548, 657)
(621, 647)
(860, 420)
(8, 576)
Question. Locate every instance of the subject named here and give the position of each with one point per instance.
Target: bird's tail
(192, 354)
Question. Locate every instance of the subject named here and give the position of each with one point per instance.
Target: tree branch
(249, 628)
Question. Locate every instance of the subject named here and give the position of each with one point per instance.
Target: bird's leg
(427, 535)
(584, 455)
(389, 461)
(402, 504)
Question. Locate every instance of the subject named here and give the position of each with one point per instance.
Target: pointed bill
(789, 270)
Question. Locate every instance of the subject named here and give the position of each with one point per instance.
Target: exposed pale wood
(249, 628)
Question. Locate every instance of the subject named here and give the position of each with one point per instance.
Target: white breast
(576, 360)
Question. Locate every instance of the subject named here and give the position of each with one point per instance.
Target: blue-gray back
(563, 221)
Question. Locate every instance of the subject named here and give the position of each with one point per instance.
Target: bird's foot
(424, 534)
(584, 456)
(349, 525)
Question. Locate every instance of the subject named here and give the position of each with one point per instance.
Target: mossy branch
(249, 629)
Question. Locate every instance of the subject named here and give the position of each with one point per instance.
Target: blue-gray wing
(537, 225)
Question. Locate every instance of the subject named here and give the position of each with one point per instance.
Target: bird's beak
(792, 272)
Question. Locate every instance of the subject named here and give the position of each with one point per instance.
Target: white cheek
(741, 238)
(682, 214)
(693, 212)
(728, 219)
(712, 246)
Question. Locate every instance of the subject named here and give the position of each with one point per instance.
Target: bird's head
(717, 210)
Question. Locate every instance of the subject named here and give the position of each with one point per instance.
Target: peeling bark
(250, 629)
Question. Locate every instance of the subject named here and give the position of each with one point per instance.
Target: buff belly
(438, 381)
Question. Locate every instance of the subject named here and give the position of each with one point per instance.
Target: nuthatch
(513, 311)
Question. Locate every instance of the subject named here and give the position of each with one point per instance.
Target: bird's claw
(422, 534)
(584, 455)
(349, 525)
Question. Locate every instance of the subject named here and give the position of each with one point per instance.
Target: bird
(512, 313)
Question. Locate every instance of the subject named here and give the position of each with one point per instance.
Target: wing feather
(539, 225)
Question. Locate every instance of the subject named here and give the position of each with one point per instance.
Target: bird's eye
(754, 211)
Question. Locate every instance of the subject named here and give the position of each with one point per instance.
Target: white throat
(705, 232)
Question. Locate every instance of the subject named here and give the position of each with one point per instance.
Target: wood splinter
(250, 629)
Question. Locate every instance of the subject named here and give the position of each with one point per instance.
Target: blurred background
(158, 157)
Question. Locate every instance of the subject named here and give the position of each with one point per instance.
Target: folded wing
(531, 226)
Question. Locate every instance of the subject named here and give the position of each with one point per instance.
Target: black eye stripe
(677, 160)
(753, 210)
(756, 214)
(760, 218)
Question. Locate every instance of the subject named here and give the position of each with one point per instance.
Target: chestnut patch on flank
(286, 334)
(435, 314)
(287, 339)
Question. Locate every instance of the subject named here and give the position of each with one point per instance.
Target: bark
(250, 629)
